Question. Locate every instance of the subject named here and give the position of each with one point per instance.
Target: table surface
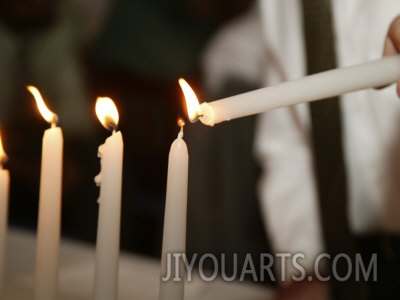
(138, 275)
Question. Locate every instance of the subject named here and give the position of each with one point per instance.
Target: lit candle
(172, 281)
(110, 181)
(310, 88)
(49, 219)
(4, 190)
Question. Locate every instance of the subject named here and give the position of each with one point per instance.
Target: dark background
(133, 52)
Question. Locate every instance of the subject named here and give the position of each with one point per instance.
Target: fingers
(392, 43)
(398, 88)
(389, 48)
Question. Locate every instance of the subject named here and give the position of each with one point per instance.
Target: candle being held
(4, 192)
(172, 281)
(318, 86)
(110, 181)
(49, 219)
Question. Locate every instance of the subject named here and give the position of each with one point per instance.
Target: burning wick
(3, 154)
(181, 123)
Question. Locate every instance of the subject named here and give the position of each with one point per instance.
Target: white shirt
(287, 188)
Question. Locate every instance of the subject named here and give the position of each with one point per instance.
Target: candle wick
(181, 123)
(113, 128)
(180, 134)
(54, 121)
(111, 125)
(196, 118)
(3, 160)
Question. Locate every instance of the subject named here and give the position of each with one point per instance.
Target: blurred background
(133, 51)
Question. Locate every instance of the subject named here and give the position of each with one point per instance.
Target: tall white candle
(172, 283)
(110, 182)
(310, 88)
(4, 191)
(49, 219)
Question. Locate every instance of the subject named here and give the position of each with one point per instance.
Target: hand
(392, 43)
(305, 290)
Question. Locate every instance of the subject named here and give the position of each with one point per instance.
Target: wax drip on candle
(98, 177)
(108, 116)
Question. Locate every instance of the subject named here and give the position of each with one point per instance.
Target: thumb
(392, 43)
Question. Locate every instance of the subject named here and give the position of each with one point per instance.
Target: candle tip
(3, 155)
(181, 123)
(196, 117)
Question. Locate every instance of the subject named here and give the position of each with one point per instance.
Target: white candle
(49, 219)
(4, 191)
(172, 283)
(110, 182)
(310, 88)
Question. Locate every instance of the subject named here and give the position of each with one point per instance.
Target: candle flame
(3, 155)
(107, 112)
(47, 114)
(192, 104)
(180, 122)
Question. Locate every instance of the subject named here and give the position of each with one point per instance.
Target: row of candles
(110, 182)
(49, 217)
(331, 83)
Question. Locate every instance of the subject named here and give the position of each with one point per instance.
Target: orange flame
(192, 103)
(47, 114)
(107, 113)
(3, 155)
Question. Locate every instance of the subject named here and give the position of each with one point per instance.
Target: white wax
(108, 228)
(49, 219)
(314, 87)
(174, 238)
(4, 191)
